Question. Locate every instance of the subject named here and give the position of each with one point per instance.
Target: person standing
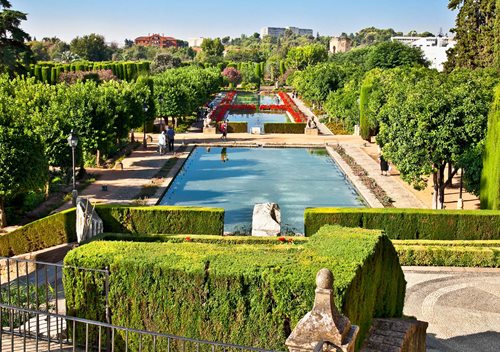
(162, 143)
(223, 129)
(171, 137)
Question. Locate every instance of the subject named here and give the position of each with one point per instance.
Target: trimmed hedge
(490, 177)
(237, 127)
(162, 219)
(51, 231)
(249, 294)
(449, 253)
(289, 127)
(410, 223)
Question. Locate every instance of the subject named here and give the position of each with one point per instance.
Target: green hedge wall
(490, 177)
(162, 220)
(449, 253)
(237, 127)
(294, 128)
(44, 233)
(248, 293)
(49, 72)
(410, 223)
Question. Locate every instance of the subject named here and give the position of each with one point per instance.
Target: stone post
(323, 328)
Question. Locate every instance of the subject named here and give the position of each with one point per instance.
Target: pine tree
(15, 53)
(474, 33)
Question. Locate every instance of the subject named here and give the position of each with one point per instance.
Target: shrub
(449, 253)
(411, 223)
(295, 128)
(237, 127)
(162, 220)
(490, 177)
(249, 294)
(47, 232)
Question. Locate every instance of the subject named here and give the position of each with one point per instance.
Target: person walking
(223, 129)
(162, 143)
(171, 137)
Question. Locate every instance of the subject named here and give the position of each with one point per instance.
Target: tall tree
(474, 32)
(91, 47)
(14, 52)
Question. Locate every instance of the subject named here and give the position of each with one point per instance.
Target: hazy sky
(184, 19)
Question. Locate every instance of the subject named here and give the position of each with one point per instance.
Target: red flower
(282, 239)
(188, 239)
(290, 240)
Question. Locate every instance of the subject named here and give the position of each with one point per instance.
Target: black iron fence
(33, 316)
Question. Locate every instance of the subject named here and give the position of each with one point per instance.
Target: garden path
(462, 306)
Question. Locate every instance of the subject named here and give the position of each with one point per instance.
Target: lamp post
(144, 141)
(73, 142)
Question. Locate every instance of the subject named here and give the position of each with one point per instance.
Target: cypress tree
(282, 68)
(45, 75)
(38, 72)
(490, 176)
(53, 75)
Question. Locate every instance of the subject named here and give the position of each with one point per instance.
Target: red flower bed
(243, 107)
(273, 107)
(292, 108)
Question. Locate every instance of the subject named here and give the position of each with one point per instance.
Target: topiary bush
(490, 177)
(245, 291)
(51, 231)
(293, 128)
(410, 223)
(162, 219)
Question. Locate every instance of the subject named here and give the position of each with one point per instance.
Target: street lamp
(144, 141)
(73, 142)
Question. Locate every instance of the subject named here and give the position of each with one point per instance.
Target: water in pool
(257, 119)
(257, 99)
(237, 178)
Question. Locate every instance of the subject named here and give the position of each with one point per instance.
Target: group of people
(166, 140)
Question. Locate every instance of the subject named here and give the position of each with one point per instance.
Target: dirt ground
(470, 201)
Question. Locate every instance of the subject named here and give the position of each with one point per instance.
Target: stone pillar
(323, 328)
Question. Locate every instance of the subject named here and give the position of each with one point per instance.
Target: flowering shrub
(282, 239)
(188, 239)
(232, 75)
(98, 76)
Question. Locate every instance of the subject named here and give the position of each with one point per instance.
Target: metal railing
(77, 334)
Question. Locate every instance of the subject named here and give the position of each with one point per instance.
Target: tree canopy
(15, 54)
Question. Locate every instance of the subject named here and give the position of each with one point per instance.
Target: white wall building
(195, 42)
(280, 31)
(434, 48)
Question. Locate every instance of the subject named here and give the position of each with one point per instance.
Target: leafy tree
(15, 54)
(431, 122)
(474, 33)
(91, 47)
(394, 54)
(129, 43)
(372, 35)
(301, 57)
(23, 166)
(164, 61)
(212, 47)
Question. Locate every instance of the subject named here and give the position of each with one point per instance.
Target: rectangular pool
(257, 99)
(237, 178)
(257, 119)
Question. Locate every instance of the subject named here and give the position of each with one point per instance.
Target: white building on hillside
(195, 42)
(280, 31)
(434, 48)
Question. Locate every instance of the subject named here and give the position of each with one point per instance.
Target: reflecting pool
(237, 178)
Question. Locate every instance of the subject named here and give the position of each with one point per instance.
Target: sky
(184, 19)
